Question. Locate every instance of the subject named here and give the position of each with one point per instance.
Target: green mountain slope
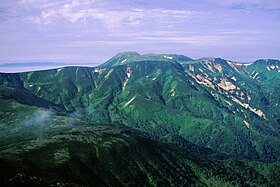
(207, 102)
(128, 57)
(267, 74)
(80, 155)
(192, 111)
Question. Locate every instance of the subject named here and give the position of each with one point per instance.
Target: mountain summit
(121, 58)
(128, 57)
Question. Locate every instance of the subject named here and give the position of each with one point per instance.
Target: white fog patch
(41, 116)
(38, 121)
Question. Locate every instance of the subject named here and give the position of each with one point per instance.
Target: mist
(38, 121)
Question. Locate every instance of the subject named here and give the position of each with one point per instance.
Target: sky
(92, 31)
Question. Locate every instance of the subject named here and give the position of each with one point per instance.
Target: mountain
(200, 115)
(128, 57)
(267, 72)
(28, 64)
(104, 156)
(121, 58)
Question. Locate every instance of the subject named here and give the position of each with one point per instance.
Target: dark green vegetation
(136, 120)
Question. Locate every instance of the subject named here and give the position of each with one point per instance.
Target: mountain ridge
(163, 82)
(216, 109)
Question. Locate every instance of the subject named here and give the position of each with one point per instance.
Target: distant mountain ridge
(32, 64)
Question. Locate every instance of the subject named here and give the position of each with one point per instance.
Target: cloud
(38, 118)
(101, 13)
(84, 11)
(90, 30)
(249, 4)
(2, 12)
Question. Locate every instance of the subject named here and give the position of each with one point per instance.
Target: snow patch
(267, 67)
(247, 124)
(172, 92)
(168, 57)
(228, 103)
(128, 102)
(244, 64)
(253, 72)
(31, 85)
(108, 74)
(124, 84)
(128, 74)
(96, 70)
(248, 64)
(90, 95)
(229, 62)
(124, 61)
(126, 80)
(234, 78)
(191, 68)
(77, 71)
(154, 78)
(255, 75)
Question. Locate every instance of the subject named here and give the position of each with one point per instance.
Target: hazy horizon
(75, 31)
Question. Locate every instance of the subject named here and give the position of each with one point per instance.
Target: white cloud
(74, 28)
(84, 11)
(262, 4)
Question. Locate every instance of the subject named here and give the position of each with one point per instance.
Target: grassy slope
(192, 112)
(269, 80)
(40, 150)
(104, 156)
